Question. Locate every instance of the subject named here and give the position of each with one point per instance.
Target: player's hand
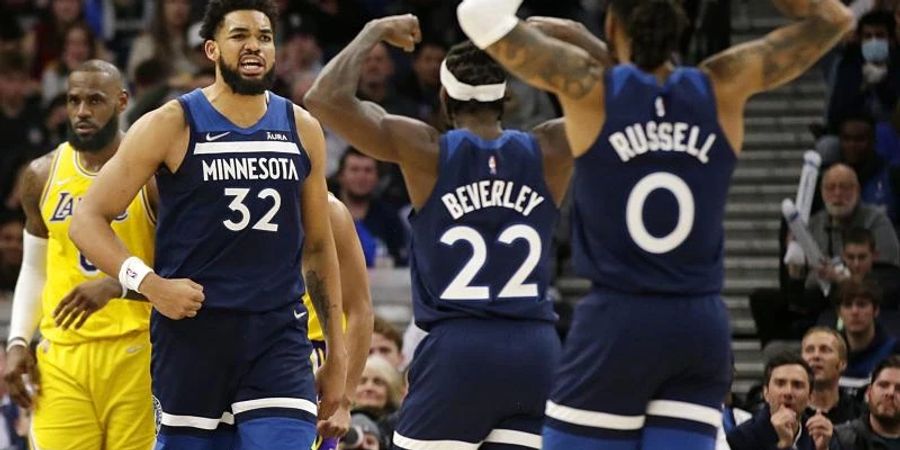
(330, 381)
(22, 376)
(86, 299)
(785, 422)
(175, 299)
(400, 31)
(820, 430)
(339, 422)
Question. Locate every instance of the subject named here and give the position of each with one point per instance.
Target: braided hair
(471, 65)
(655, 28)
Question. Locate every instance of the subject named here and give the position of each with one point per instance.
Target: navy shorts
(478, 383)
(234, 377)
(632, 362)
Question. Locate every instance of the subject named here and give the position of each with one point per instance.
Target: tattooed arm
(574, 33)
(548, 63)
(564, 69)
(320, 265)
(783, 54)
(779, 57)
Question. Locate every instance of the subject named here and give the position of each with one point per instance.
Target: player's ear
(123, 101)
(211, 49)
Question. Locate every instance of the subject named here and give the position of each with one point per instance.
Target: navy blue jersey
(230, 217)
(480, 244)
(649, 195)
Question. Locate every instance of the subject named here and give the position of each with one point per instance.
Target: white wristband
(17, 341)
(132, 273)
(487, 21)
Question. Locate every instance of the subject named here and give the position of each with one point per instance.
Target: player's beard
(244, 86)
(97, 141)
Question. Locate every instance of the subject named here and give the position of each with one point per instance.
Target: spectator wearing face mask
(868, 74)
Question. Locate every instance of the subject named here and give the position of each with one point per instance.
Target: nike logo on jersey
(299, 315)
(210, 138)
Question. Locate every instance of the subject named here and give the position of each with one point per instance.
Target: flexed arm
(783, 54)
(365, 125)
(545, 62)
(538, 59)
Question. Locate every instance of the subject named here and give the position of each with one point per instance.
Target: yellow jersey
(67, 267)
(315, 332)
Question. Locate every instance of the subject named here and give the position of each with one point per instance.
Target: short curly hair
(216, 10)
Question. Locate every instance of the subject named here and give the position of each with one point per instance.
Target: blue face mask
(875, 50)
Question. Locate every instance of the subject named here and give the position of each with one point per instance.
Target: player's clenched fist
(400, 31)
(175, 299)
(330, 381)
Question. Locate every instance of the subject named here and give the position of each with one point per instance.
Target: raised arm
(320, 265)
(574, 33)
(365, 125)
(158, 138)
(545, 62)
(782, 55)
(357, 303)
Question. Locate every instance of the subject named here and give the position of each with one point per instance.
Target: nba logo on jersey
(492, 165)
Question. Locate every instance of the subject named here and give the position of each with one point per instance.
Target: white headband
(458, 90)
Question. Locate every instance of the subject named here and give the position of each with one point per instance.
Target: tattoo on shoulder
(315, 287)
(572, 75)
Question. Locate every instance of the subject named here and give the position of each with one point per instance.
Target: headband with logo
(458, 90)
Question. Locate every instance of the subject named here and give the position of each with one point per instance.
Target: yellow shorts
(95, 395)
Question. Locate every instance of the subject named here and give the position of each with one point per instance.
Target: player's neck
(94, 161)
(485, 124)
(825, 396)
(242, 110)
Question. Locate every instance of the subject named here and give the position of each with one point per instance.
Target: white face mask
(875, 50)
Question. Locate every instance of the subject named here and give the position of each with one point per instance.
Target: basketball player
(90, 386)
(357, 302)
(647, 361)
(356, 299)
(242, 190)
(485, 202)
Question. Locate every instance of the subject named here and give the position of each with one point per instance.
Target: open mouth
(251, 66)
